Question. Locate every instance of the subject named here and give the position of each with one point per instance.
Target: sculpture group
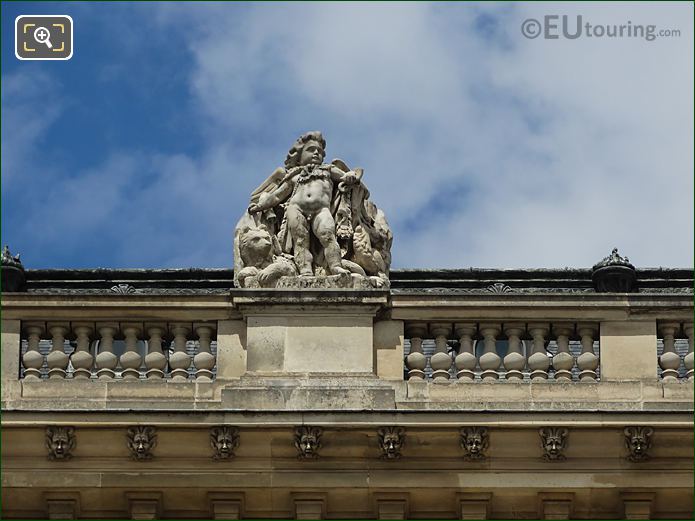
(311, 224)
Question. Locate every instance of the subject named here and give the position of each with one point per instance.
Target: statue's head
(309, 149)
(60, 441)
(391, 441)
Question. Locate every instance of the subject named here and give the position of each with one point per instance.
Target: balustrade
(675, 362)
(511, 351)
(113, 350)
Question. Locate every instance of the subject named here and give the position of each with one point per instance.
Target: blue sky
(484, 148)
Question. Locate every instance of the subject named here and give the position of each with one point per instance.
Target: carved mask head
(60, 441)
(391, 440)
(308, 441)
(554, 440)
(224, 440)
(474, 441)
(638, 441)
(141, 441)
(553, 444)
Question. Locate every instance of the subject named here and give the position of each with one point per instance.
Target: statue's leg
(324, 229)
(299, 229)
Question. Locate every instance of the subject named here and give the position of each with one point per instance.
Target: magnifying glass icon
(43, 35)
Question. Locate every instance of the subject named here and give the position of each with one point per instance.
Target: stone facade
(454, 394)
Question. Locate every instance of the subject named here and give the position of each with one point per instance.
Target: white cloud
(562, 148)
(25, 119)
(484, 148)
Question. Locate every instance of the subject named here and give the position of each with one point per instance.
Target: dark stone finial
(614, 274)
(13, 278)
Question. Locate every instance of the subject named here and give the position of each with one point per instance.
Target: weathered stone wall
(335, 361)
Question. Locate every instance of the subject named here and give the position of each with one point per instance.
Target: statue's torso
(312, 191)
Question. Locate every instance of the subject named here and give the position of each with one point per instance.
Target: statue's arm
(275, 198)
(348, 177)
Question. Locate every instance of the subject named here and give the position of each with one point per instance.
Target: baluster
(82, 359)
(106, 361)
(489, 360)
(33, 359)
(155, 361)
(131, 359)
(563, 359)
(179, 361)
(514, 361)
(416, 360)
(669, 359)
(57, 359)
(204, 360)
(688, 360)
(538, 362)
(465, 360)
(441, 360)
(587, 361)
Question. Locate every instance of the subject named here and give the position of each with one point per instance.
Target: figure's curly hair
(295, 152)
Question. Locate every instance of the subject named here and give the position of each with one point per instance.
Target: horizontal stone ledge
(433, 419)
(254, 297)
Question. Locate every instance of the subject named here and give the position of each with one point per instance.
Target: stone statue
(553, 442)
(311, 224)
(638, 441)
(141, 441)
(474, 441)
(391, 440)
(224, 440)
(13, 275)
(60, 442)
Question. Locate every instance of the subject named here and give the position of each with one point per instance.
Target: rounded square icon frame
(72, 36)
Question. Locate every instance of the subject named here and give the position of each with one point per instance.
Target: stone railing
(675, 352)
(503, 350)
(114, 350)
(517, 351)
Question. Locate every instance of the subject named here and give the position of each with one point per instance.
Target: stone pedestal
(320, 332)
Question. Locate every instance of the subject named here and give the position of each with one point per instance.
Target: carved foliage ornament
(553, 442)
(391, 441)
(638, 441)
(122, 289)
(60, 442)
(474, 442)
(307, 441)
(224, 440)
(141, 441)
